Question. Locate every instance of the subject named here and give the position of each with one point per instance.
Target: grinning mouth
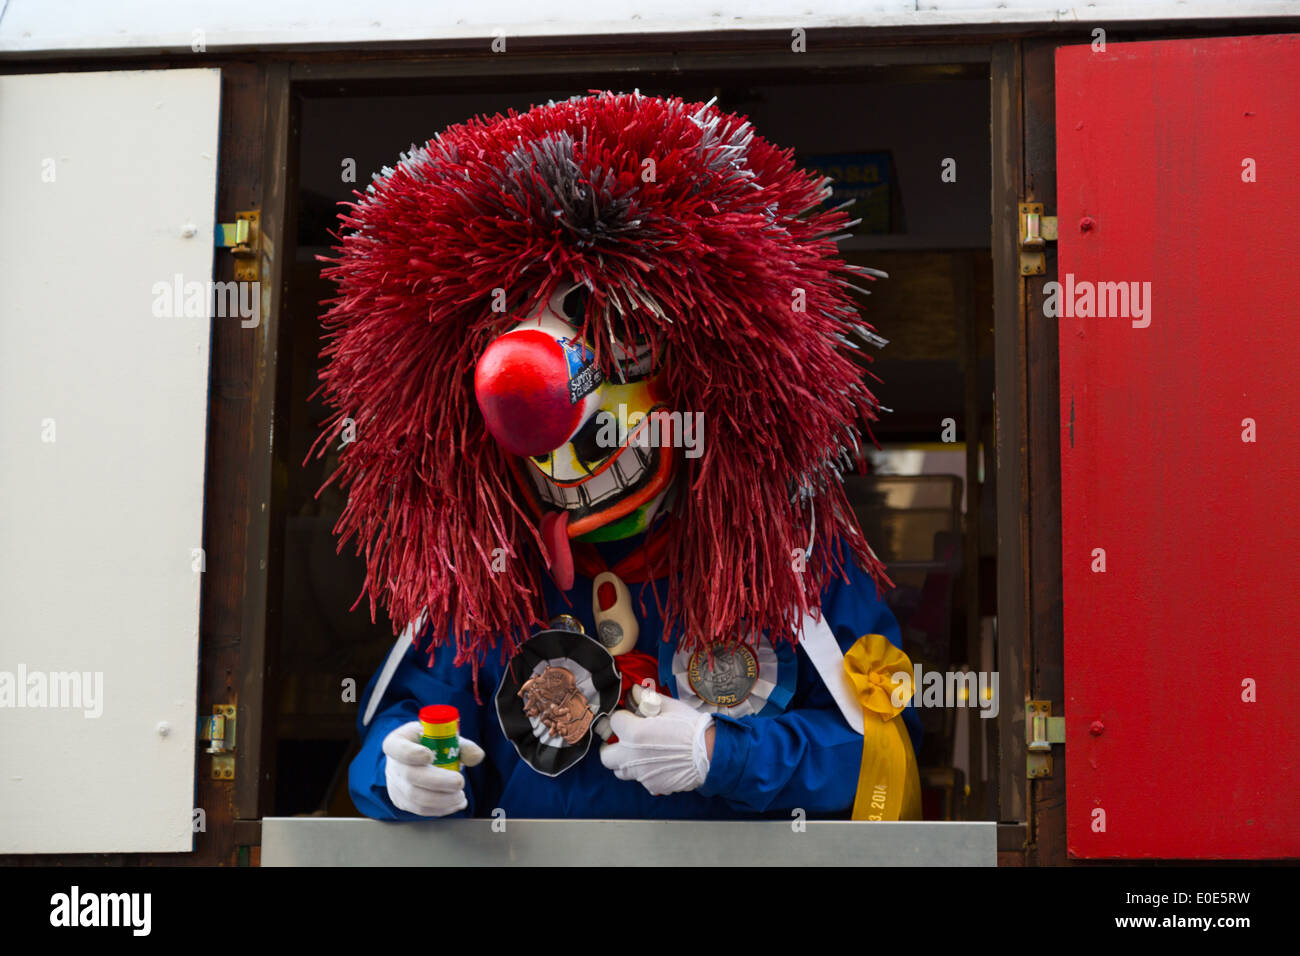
(629, 479)
(629, 469)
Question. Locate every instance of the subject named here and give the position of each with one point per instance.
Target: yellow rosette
(889, 786)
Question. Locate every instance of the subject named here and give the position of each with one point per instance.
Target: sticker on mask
(584, 375)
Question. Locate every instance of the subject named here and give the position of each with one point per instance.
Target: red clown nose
(522, 386)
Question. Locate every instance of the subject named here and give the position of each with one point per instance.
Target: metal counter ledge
(338, 841)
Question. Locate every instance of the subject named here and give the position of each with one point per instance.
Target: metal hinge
(1036, 230)
(1041, 731)
(219, 731)
(243, 238)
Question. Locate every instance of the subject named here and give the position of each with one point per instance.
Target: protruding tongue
(555, 537)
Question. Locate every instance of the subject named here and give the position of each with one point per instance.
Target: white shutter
(107, 193)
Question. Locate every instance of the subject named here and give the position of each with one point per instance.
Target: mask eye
(574, 305)
(635, 366)
(586, 444)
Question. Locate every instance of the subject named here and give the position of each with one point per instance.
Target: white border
(168, 26)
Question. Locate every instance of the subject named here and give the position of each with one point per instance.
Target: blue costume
(762, 766)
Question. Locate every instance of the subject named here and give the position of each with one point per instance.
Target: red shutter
(1200, 529)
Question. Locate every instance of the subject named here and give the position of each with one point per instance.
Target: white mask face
(592, 448)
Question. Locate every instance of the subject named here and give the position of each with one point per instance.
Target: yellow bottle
(440, 732)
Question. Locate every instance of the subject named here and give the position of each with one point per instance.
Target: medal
(554, 690)
(728, 679)
(742, 679)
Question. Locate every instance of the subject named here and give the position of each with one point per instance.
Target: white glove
(415, 784)
(666, 752)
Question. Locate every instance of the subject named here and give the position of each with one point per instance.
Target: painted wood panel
(1180, 445)
(107, 192)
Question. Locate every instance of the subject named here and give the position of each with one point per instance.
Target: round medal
(748, 678)
(554, 691)
(729, 680)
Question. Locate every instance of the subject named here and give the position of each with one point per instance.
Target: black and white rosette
(744, 679)
(597, 680)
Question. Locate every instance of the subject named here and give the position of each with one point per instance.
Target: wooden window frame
(243, 527)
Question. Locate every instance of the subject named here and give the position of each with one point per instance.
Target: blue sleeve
(808, 757)
(414, 685)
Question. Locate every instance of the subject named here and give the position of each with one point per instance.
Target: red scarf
(648, 563)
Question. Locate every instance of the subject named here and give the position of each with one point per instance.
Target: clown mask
(592, 452)
(698, 260)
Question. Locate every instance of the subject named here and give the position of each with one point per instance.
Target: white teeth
(565, 469)
(622, 473)
(604, 484)
(642, 464)
(542, 484)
